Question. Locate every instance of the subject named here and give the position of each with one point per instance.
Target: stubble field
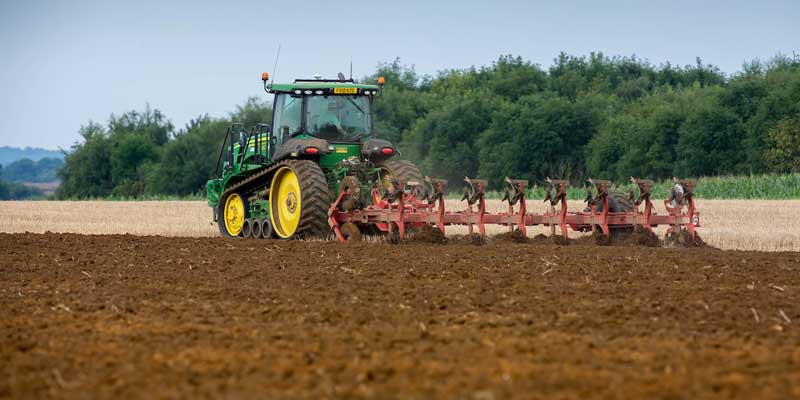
(763, 225)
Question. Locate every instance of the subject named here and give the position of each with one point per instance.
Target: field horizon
(771, 224)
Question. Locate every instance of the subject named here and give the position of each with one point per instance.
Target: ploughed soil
(151, 317)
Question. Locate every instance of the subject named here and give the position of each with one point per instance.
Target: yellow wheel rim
(234, 214)
(285, 202)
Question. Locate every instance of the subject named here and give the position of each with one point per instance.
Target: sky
(64, 63)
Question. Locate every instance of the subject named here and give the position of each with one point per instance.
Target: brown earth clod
(683, 238)
(426, 234)
(514, 236)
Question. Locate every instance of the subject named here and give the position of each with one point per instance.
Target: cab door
(286, 119)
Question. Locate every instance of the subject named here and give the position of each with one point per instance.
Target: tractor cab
(338, 111)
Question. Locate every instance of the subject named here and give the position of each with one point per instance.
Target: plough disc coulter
(410, 204)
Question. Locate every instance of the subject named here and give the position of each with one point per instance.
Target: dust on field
(154, 317)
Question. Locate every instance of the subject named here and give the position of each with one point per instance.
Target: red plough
(415, 204)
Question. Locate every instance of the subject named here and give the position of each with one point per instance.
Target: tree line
(27, 170)
(16, 191)
(599, 116)
(140, 153)
(595, 116)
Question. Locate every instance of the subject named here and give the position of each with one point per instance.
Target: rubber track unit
(313, 194)
(314, 198)
(403, 169)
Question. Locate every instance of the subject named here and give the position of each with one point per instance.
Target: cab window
(287, 116)
(338, 117)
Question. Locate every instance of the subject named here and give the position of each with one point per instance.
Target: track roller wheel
(247, 228)
(266, 229)
(232, 212)
(350, 232)
(256, 227)
(298, 199)
(400, 169)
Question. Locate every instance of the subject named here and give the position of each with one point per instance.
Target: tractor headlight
(367, 92)
(318, 92)
(298, 92)
(308, 92)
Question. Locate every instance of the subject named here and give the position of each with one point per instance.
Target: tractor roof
(318, 84)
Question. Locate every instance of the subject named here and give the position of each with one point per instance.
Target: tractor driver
(325, 122)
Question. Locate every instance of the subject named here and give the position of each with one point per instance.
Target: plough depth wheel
(350, 232)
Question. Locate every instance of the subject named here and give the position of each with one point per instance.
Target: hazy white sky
(66, 62)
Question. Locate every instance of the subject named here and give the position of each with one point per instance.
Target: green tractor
(280, 179)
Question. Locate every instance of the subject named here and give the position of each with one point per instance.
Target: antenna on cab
(275, 68)
(265, 76)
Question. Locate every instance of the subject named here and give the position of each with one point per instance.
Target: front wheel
(231, 213)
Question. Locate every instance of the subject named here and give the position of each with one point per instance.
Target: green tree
(26, 170)
(781, 81)
(783, 146)
(710, 141)
(47, 169)
(130, 155)
(255, 110)
(512, 77)
(23, 170)
(152, 124)
(444, 141)
(190, 159)
(87, 167)
(538, 136)
(640, 139)
(402, 101)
